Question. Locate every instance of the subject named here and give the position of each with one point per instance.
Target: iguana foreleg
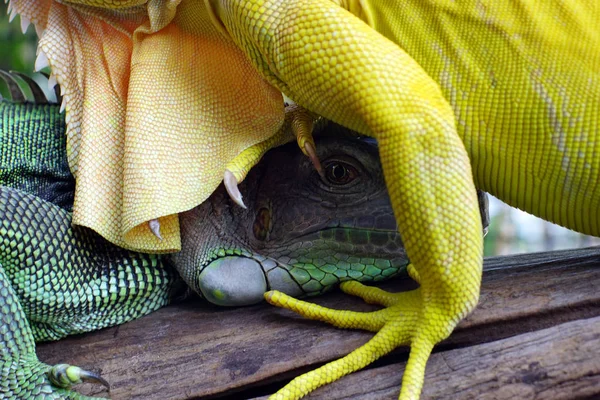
(340, 68)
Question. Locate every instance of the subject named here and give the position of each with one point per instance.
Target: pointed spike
(231, 185)
(41, 61)
(53, 86)
(24, 24)
(154, 226)
(287, 101)
(12, 14)
(91, 377)
(39, 97)
(39, 31)
(67, 115)
(51, 82)
(63, 105)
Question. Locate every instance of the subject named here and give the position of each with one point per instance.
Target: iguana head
(301, 233)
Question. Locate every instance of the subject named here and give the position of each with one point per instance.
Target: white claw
(51, 82)
(24, 24)
(41, 61)
(154, 226)
(63, 105)
(231, 185)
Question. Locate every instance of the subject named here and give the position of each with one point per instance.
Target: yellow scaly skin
(520, 78)
(524, 83)
(376, 88)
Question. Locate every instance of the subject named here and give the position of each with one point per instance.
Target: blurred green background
(17, 50)
(511, 231)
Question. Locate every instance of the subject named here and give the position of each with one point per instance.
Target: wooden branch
(562, 362)
(195, 350)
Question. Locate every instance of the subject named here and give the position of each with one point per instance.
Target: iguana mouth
(312, 264)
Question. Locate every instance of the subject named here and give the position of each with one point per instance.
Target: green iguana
(496, 94)
(57, 280)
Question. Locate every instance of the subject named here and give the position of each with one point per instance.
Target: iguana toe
(403, 322)
(65, 375)
(302, 123)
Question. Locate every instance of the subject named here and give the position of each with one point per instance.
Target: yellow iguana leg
(333, 64)
(298, 121)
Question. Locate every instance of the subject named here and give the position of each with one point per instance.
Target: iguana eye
(340, 173)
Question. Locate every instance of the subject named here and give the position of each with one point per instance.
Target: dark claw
(65, 375)
(312, 154)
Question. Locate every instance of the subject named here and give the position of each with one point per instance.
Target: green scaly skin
(301, 234)
(57, 280)
(35, 162)
(63, 281)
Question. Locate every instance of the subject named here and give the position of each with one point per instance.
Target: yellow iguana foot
(401, 323)
(297, 120)
(65, 376)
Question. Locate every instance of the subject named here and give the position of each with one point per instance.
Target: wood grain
(195, 350)
(561, 362)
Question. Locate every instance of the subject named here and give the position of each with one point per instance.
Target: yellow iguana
(163, 97)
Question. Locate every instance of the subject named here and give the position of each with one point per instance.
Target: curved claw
(302, 125)
(65, 375)
(231, 185)
(311, 152)
(154, 226)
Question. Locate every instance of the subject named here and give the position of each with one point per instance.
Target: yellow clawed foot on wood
(402, 323)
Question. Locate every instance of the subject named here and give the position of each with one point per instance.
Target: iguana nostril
(262, 224)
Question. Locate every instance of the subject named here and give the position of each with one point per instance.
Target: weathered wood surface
(535, 334)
